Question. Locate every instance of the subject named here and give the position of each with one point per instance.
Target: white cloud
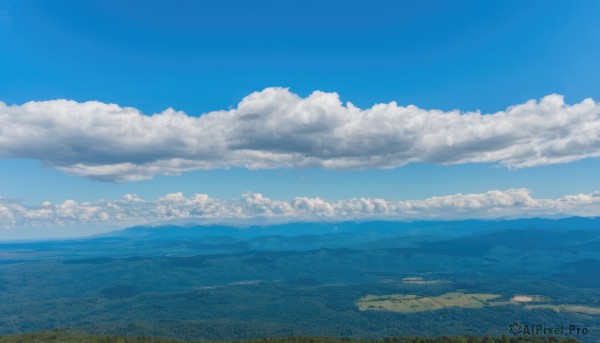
(253, 207)
(6, 216)
(276, 128)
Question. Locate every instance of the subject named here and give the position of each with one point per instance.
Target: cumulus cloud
(253, 207)
(276, 128)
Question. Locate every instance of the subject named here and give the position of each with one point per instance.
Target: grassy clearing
(569, 308)
(413, 303)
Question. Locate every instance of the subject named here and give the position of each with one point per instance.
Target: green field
(412, 303)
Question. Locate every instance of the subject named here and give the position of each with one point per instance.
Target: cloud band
(131, 210)
(276, 128)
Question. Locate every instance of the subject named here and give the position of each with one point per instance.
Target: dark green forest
(68, 336)
(298, 280)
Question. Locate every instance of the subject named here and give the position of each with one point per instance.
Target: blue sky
(203, 56)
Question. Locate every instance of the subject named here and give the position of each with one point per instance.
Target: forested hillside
(68, 336)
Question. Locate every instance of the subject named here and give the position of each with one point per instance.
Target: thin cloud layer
(254, 207)
(276, 128)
